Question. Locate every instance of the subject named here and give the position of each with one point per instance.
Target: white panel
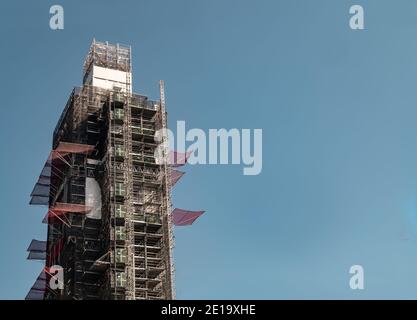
(93, 198)
(109, 74)
(106, 84)
(110, 78)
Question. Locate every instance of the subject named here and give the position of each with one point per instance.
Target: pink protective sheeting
(65, 148)
(57, 155)
(182, 217)
(178, 159)
(60, 207)
(68, 147)
(175, 176)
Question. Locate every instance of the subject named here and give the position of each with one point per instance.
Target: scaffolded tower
(107, 191)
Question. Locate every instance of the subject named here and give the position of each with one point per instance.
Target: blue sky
(338, 110)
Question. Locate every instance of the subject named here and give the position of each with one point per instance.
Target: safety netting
(175, 175)
(36, 200)
(181, 217)
(39, 285)
(41, 191)
(37, 250)
(35, 295)
(37, 245)
(178, 159)
(38, 289)
(36, 255)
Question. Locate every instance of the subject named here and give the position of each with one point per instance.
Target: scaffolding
(107, 136)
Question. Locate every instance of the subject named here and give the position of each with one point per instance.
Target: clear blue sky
(338, 110)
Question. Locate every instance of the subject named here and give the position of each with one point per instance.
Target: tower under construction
(107, 188)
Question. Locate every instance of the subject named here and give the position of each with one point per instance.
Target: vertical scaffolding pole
(168, 207)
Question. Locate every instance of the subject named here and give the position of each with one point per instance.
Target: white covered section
(93, 198)
(109, 79)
